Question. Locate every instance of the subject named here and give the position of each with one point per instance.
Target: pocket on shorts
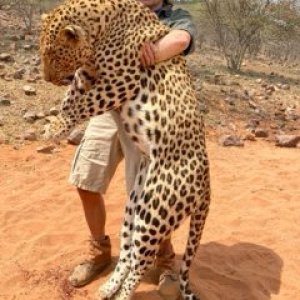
(76, 156)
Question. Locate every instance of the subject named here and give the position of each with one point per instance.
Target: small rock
(5, 102)
(217, 78)
(274, 126)
(30, 135)
(75, 137)
(287, 140)
(36, 61)
(246, 92)
(230, 101)
(35, 70)
(280, 116)
(252, 104)
(232, 126)
(30, 116)
(16, 37)
(222, 90)
(230, 140)
(2, 66)
(31, 80)
(19, 138)
(253, 123)
(54, 111)
(259, 81)
(27, 47)
(270, 88)
(6, 57)
(29, 90)
(249, 137)
(285, 87)
(262, 133)
(8, 78)
(19, 73)
(40, 115)
(38, 77)
(47, 149)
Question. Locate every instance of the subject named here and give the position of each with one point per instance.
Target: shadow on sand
(243, 271)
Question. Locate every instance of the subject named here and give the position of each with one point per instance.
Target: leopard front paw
(56, 130)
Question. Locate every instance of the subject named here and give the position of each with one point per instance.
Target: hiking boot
(168, 285)
(100, 258)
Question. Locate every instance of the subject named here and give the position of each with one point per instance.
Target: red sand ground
(250, 249)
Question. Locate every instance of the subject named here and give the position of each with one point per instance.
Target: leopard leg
(107, 290)
(142, 258)
(149, 231)
(196, 228)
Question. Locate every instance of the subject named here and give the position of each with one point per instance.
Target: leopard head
(64, 47)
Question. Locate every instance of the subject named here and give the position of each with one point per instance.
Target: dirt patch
(249, 249)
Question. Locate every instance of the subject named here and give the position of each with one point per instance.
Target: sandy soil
(250, 249)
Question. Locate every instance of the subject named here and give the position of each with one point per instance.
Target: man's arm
(181, 39)
(174, 43)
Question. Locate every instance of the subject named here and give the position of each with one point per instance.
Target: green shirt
(178, 19)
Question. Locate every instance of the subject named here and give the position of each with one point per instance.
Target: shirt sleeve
(182, 20)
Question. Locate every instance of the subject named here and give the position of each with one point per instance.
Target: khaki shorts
(102, 148)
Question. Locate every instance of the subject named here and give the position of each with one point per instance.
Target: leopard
(93, 47)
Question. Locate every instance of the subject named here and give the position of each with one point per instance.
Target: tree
(238, 25)
(282, 36)
(26, 9)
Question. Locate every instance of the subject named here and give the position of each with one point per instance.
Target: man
(105, 144)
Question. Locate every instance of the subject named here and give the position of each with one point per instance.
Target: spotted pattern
(97, 43)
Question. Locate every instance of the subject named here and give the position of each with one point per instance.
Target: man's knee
(87, 195)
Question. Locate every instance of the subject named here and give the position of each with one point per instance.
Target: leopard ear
(73, 32)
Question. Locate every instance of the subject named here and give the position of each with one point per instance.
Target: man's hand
(172, 44)
(148, 54)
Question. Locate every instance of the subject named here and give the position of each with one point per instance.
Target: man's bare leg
(95, 213)
(100, 248)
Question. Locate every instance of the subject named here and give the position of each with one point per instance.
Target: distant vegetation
(248, 27)
(28, 10)
(238, 28)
